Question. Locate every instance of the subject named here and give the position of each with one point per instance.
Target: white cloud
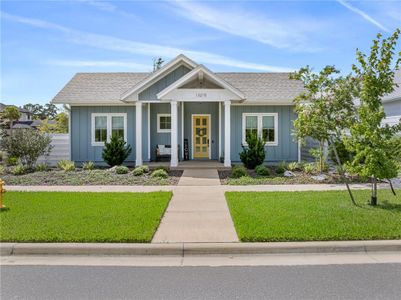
(116, 44)
(363, 15)
(100, 64)
(284, 34)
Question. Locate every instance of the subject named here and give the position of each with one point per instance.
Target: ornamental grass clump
(88, 166)
(41, 167)
(66, 165)
(19, 169)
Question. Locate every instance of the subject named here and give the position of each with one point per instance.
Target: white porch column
(138, 134)
(174, 134)
(227, 133)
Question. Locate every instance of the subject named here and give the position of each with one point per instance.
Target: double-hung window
(264, 125)
(163, 123)
(106, 125)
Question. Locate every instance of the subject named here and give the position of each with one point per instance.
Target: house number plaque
(201, 95)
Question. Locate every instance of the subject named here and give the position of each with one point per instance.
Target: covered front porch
(192, 117)
(190, 164)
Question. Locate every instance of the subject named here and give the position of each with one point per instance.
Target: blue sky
(44, 43)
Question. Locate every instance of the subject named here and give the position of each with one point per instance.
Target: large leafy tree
(42, 112)
(370, 140)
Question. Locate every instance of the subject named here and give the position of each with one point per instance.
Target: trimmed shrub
(238, 172)
(167, 169)
(41, 167)
(282, 166)
(88, 166)
(66, 165)
(116, 152)
(12, 161)
(160, 173)
(253, 154)
(262, 170)
(138, 171)
(121, 170)
(18, 170)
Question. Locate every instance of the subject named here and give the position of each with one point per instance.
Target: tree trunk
(373, 199)
(321, 156)
(340, 166)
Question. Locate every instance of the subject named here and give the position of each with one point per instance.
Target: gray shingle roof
(264, 86)
(108, 87)
(97, 87)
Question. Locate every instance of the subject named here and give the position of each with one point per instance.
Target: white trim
(108, 128)
(159, 130)
(227, 133)
(192, 74)
(138, 134)
(264, 103)
(209, 133)
(173, 64)
(299, 150)
(182, 130)
(260, 126)
(219, 131)
(174, 134)
(149, 131)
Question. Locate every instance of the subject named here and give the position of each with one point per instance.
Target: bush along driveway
(314, 216)
(81, 217)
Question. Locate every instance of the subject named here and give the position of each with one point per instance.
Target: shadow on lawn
(396, 207)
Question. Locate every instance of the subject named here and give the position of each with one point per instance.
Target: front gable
(151, 92)
(159, 79)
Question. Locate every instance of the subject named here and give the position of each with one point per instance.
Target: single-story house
(392, 102)
(200, 114)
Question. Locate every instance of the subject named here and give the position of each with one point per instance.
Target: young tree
(27, 145)
(325, 109)
(9, 116)
(116, 152)
(372, 142)
(253, 154)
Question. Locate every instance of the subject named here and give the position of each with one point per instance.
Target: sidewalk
(197, 213)
(223, 188)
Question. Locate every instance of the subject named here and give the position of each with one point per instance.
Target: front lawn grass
(81, 217)
(314, 216)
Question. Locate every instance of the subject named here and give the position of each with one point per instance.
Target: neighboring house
(392, 102)
(26, 115)
(181, 102)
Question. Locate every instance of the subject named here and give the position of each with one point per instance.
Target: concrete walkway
(197, 214)
(153, 188)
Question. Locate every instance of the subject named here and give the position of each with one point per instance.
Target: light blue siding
(81, 145)
(287, 148)
(392, 108)
(151, 92)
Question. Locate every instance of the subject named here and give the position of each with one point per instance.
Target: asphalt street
(362, 281)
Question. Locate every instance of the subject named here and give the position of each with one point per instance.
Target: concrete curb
(186, 249)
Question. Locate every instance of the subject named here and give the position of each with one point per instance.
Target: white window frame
(159, 130)
(109, 126)
(260, 126)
